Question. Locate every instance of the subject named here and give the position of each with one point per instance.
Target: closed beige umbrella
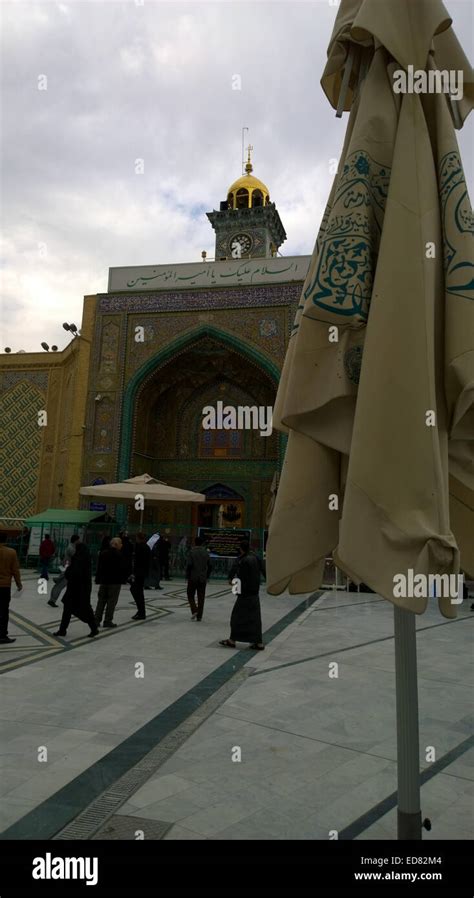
(378, 384)
(399, 196)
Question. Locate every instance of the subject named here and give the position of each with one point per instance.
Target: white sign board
(60, 534)
(35, 540)
(276, 270)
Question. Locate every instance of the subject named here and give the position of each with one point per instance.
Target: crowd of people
(140, 565)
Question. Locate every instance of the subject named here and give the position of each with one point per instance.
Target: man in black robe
(246, 618)
(77, 599)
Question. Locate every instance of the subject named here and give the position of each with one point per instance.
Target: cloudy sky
(153, 81)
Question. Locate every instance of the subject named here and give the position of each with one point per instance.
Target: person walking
(77, 599)
(127, 554)
(246, 618)
(46, 553)
(60, 582)
(141, 568)
(9, 570)
(24, 543)
(182, 553)
(153, 580)
(110, 575)
(198, 570)
(164, 549)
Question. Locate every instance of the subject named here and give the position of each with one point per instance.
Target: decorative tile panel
(184, 301)
(9, 379)
(20, 452)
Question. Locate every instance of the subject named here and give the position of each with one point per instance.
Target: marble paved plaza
(154, 730)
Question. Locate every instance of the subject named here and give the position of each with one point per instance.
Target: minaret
(247, 224)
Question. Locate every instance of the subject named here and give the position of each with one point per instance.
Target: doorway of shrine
(223, 508)
(234, 468)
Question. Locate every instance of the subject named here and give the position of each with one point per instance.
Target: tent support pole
(408, 751)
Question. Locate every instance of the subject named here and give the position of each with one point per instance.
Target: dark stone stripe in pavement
(335, 651)
(53, 814)
(358, 645)
(63, 644)
(94, 820)
(383, 807)
(37, 631)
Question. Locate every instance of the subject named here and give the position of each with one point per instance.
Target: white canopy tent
(153, 491)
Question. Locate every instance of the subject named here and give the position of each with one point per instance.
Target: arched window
(230, 201)
(257, 198)
(267, 200)
(221, 444)
(242, 198)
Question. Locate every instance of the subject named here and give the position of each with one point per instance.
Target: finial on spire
(248, 165)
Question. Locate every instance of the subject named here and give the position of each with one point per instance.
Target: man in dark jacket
(246, 618)
(111, 574)
(141, 568)
(198, 569)
(164, 549)
(127, 553)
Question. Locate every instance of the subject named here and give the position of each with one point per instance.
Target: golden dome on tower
(248, 191)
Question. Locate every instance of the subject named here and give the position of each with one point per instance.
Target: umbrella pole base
(409, 826)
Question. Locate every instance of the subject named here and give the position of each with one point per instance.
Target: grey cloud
(152, 82)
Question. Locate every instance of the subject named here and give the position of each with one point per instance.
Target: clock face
(240, 245)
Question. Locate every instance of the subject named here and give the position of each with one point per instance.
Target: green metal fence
(181, 537)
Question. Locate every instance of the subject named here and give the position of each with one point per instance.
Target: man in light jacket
(9, 569)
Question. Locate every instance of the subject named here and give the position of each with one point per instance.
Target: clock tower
(247, 224)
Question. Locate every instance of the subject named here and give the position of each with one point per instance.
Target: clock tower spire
(247, 224)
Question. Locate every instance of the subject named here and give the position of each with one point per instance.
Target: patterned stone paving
(317, 753)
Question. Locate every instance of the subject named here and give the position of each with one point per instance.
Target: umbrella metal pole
(408, 752)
